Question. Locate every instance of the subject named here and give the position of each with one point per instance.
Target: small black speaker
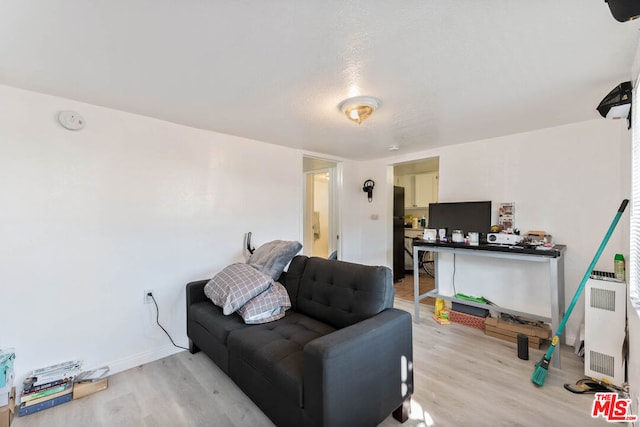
(523, 346)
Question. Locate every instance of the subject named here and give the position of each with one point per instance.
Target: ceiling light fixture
(359, 108)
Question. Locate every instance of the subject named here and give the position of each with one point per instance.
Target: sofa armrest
(360, 374)
(195, 292)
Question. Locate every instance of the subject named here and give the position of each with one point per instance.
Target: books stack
(48, 387)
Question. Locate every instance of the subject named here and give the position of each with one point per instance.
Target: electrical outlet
(147, 297)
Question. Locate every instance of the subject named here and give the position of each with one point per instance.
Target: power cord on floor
(158, 321)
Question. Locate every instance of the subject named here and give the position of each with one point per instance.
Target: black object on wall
(624, 10)
(368, 188)
(617, 103)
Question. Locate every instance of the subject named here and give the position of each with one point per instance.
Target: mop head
(540, 373)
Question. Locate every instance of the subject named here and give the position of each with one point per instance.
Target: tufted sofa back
(338, 293)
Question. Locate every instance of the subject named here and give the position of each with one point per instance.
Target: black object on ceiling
(617, 103)
(624, 10)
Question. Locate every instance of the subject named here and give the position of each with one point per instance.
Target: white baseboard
(142, 358)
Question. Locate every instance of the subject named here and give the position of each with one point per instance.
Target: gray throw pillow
(271, 258)
(266, 307)
(235, 285)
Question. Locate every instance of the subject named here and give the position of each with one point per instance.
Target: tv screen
(465, 216)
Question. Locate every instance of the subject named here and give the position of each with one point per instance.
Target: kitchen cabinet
(426, 189)
(419, 189)
(406, 181)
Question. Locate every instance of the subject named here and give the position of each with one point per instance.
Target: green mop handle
(554, 342)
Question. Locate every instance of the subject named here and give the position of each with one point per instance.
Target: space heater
(605, 327)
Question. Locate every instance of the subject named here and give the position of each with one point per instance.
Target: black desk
(554, 256)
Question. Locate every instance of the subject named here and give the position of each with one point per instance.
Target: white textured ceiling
(446, 71)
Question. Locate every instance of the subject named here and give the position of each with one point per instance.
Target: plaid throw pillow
(266, 307)
(235, 285)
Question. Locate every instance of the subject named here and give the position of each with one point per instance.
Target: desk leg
(436, 284)
(416, 284)
(556, 266)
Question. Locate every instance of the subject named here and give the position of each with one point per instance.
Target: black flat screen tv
(465, 216)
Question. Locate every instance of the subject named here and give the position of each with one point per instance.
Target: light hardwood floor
(404, 288)
(462, 378)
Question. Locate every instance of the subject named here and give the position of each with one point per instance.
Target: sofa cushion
(211, 317)
(272, 257)
(235, 285)
(341, 293)
(275, 350)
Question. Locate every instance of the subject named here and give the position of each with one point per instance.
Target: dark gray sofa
(342, 355)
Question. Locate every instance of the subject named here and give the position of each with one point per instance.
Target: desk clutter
(469, 223)
(45, 387)
(531, 239)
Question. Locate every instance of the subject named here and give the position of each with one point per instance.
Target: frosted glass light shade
(359, 108)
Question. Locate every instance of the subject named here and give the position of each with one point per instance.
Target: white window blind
(634, 255)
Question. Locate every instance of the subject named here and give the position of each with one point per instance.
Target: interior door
(321, 216)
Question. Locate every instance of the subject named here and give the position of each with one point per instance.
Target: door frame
(335, 169)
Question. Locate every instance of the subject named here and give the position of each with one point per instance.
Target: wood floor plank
(404, 287)
(462, 377)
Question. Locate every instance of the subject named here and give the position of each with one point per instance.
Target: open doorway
(418, 181)
(321, 234)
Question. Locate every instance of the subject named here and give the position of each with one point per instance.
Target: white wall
(89, 219)
(367, 222)
(568, 181)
